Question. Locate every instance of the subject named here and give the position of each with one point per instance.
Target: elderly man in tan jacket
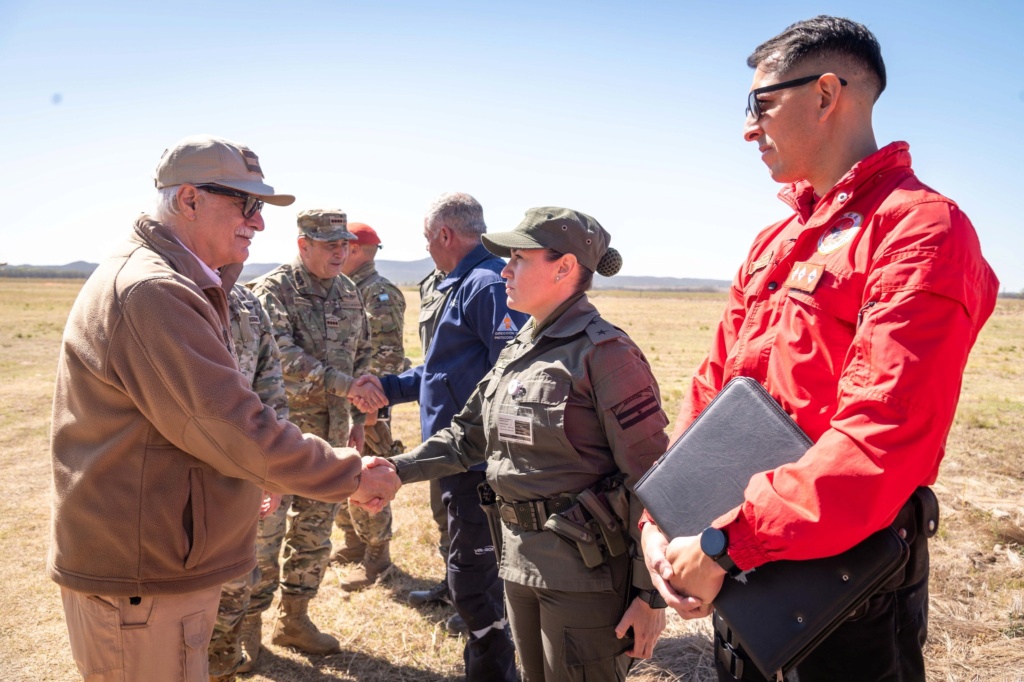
(160, 447)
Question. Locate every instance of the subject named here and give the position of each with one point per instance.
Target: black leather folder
(779, 612)
(742, 432)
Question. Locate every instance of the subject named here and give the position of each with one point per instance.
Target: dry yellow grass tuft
(977, 605)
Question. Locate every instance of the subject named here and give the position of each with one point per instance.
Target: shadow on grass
(399, 584)
(683, 657)
(345, 666)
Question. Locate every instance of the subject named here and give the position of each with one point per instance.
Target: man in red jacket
(857, 314)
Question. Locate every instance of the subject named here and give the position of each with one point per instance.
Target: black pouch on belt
(574, 528)
(489, 503)
(916, 521)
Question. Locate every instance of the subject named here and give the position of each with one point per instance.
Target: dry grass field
(977, 602)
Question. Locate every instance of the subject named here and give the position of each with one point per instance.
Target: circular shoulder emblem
(841, 232)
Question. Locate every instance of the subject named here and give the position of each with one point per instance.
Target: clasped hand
(686, 577)
(367, 394)
(378, 485)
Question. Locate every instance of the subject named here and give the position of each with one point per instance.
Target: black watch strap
(714, 542)
(652, 598)
(730, 567)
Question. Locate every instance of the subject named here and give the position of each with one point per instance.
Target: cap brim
(261, 190)
(502, 243)
(330, 236)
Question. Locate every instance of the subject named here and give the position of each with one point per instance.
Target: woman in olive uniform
(570, 406)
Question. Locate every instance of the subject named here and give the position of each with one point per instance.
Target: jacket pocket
(196, 510)
(541, 404)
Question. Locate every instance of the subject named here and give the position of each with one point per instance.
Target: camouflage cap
(324, 224)
(204, 159)
(560, 229)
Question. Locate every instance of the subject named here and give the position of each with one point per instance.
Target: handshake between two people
(367, 394)
(378, 485)
(379, 482)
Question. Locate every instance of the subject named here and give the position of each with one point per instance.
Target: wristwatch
(715, 543)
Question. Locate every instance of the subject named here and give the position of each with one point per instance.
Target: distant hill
(77, 270)
(402, 273)
(408, 273)
(660, 283)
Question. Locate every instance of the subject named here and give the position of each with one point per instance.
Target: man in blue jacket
(462, 334)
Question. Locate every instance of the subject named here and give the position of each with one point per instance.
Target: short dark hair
(822, 36)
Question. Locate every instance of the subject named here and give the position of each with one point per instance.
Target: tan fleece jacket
(159, 445)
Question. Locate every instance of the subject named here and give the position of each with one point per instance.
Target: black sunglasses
(252, 206)
(754, 107)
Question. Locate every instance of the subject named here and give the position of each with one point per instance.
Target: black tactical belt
(532, 515)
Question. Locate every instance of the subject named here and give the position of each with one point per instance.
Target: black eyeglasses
(754, 107)
(252, 206)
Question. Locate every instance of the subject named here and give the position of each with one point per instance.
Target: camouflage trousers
(225, 652)
(371, 529)
(303, 526)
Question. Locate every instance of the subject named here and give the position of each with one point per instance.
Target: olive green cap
(324, 224)
(560, 229)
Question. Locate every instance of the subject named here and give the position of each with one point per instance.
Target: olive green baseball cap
(560, 229)
(204, 159)
(324, 224)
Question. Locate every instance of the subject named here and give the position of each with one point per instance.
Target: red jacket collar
(800, 195)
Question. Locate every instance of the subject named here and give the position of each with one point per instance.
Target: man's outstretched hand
(367, 394)
(378, 485)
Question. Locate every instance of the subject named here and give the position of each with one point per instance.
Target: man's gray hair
(460, 212)
(166, 203)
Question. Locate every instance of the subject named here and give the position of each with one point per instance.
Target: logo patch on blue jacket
(506, 329)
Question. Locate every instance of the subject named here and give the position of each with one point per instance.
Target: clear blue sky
(631, 112)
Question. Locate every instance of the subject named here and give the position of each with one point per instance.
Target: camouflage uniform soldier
(321, 329)
(260, 361)
(368, 536)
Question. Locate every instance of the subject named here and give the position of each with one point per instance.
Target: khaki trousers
(164, 638)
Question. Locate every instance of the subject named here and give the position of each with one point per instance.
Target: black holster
(489, 503)
(595, 524)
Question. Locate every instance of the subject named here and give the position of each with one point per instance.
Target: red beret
(364, 233)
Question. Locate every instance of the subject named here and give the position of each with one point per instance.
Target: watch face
(713, 542)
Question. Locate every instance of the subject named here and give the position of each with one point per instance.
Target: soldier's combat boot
(295, 629)
(352, 552)
(252, 634)
(438, 594)
(376, 564)
(456, 626)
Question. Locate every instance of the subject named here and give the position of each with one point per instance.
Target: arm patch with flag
(636, 408)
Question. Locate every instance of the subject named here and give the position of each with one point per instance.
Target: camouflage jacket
(320, 327)
(385, 313)
(255, 349)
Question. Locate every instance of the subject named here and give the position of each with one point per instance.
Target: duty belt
(532, 515)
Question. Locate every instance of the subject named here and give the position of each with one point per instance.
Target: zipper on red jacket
(867, 306)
